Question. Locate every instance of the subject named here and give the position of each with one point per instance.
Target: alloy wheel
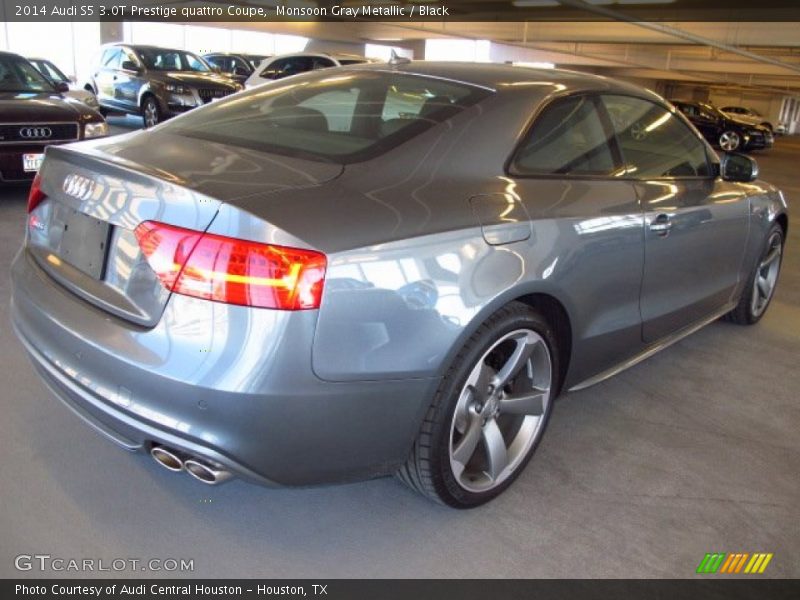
(729, 141)
(767, 275)
(150, 114)
(500, 410)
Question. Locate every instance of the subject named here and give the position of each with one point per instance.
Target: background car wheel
(151, 113)
(730, 141)
(489, 412)
(763, 280)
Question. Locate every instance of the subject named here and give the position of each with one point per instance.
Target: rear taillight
(233, 271)
(36, 195)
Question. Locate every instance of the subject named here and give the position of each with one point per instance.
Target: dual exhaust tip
(177, 461)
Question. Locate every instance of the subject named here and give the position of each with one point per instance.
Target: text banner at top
(409, 11)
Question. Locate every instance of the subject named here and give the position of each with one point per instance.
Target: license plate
(32, 162)
(84, 243)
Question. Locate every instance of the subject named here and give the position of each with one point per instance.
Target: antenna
(398, 60)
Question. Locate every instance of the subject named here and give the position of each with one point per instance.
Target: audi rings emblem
(35, 133)
(78, 186)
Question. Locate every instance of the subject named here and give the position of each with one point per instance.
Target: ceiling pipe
(679, 33)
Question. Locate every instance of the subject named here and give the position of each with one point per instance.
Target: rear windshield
(334, 117)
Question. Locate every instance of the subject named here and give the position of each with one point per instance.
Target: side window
(285, 67)
(235, 63)
(322, 63)
(568, 138)
(112, 58)
(220, 62)
(127, 55)
(654, 143)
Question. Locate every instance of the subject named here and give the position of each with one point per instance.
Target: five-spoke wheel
(490, 411)
(499, 411)
(730, 141)
(763, 280)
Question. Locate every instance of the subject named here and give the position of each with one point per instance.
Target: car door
(128, 79)
(586, 230)
(695, 224)
(104, 76)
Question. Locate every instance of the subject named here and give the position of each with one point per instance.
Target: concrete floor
(693, 451)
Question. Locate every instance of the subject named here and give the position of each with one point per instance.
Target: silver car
(382, 269)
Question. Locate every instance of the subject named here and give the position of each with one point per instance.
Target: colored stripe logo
(736, 562)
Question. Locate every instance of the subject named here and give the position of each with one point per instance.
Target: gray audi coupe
(381, 269)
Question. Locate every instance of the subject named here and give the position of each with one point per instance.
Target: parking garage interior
(694, 450)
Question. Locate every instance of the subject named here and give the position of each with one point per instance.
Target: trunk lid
(97, 192)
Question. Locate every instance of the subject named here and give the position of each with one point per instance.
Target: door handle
(661, 224)
(115, 77)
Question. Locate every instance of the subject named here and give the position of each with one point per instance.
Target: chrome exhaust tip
(207, 473)
(172, 460)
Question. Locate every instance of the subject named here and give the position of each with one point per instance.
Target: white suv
(278, 67)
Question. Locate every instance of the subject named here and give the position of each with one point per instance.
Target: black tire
(745, 312)
(428, 469)
(151, 112)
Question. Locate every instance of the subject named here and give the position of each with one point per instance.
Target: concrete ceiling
(754, 55)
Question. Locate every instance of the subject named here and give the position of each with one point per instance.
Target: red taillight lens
(36, 195)
(233, 271)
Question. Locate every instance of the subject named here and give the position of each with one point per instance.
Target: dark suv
(726, 131)
(157, 83)
(33, 115)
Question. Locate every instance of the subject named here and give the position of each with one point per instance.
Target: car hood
(222, 172)
(199, 79)
(16, 107)
(743, 119)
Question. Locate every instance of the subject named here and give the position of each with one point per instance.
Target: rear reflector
(233, 271)
(36, 195)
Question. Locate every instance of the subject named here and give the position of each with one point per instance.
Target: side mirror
(62, 87)
(129, 65)
(738, 167)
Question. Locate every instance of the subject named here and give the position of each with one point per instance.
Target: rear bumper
(230, 384)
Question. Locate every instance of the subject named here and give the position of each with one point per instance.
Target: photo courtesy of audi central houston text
(534, 261)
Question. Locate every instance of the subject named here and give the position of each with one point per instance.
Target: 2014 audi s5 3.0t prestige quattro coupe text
(381, 269)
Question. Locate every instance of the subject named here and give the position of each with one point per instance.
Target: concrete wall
(335, 47)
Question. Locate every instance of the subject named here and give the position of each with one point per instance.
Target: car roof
(146, 47)
(508, 78)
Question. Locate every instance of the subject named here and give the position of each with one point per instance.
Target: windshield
(18, 75)
(346, 117)
(712, 110)
(49, 70)
(158, 59)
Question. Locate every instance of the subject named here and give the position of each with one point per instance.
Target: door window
(112, 58)
(655, 143)
(284, 67)
(568, 138)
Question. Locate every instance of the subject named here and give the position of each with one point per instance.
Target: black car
(725, 131)
(236, 66)
(34, 114)
(156, 83)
